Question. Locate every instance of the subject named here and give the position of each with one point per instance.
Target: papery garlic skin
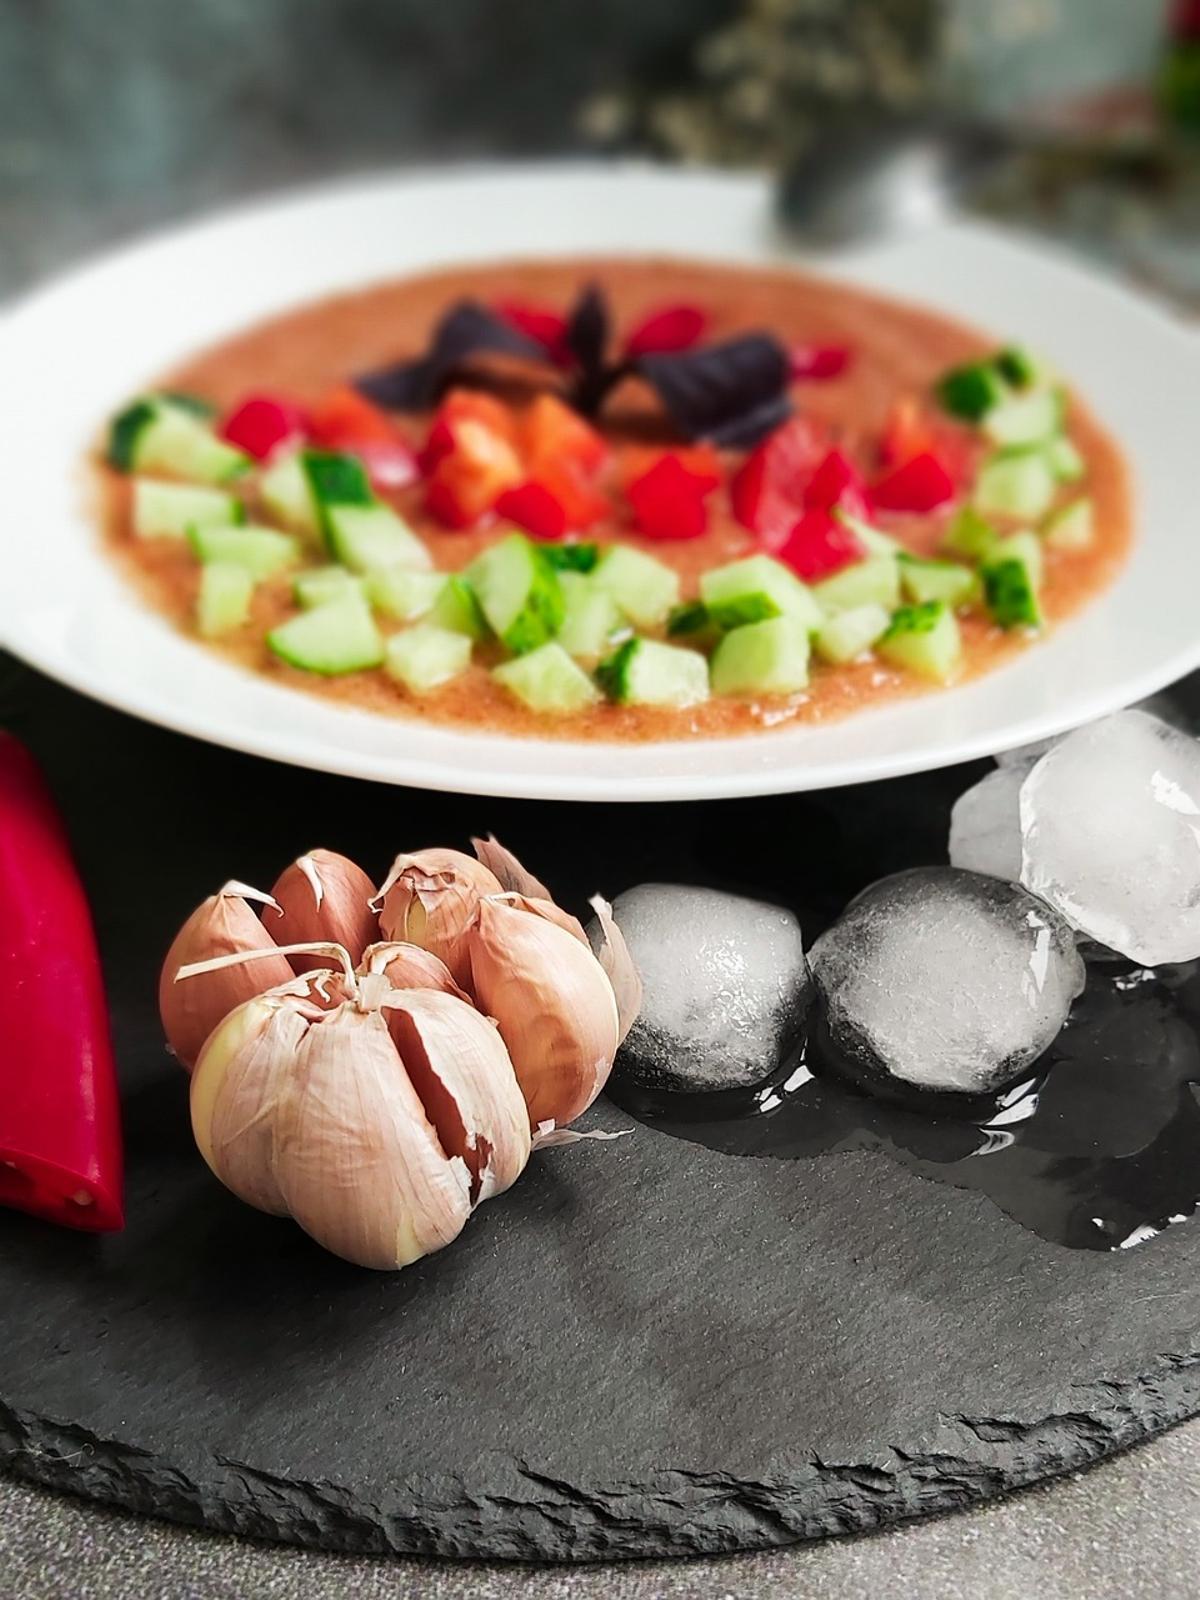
(224, 924)
(407, 966)
(552, 1002)
(430, 899)
(324, 896)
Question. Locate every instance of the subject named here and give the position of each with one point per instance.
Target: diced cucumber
(875, 581)
(518, 592)
(572, 557)
(971, 391)
(223, 599)
(755, 588)
(159, 434)
(336, 479)
(644, 672)
(590, 619)
(262, 551)
(425, 657)
(168, 510)
(547, 680)
(969, 535)
(644, 588)
(1021, 367)
(690, 623)
(1017, 482)
(366, 537)
(1071, 527)
(1011, 576)
(1023, 546)
(873, 541)
(850, 633)
(938, 580)
(315, 587)
(403, 593)
(924, 639)
(769, 657)
(457, 608)
(1066, 462)
(1027, 418)
(339, 636)
(288, 496)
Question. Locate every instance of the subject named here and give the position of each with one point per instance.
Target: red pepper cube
(819, 545)
(667, 330)
(536, 508)
(920, 485)
(462, 405)
(262, 423)
(668, 499)
(835, 482)
(466, 483)
(818, 361)
(551, 432)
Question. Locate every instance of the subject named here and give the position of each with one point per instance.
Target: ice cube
(1110, 820)
(947, 980)
(985, 824)
(726, 987)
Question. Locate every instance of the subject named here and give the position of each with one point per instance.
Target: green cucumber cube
(223, 600)
(1071, 527)
(644, 588)
(754, 589)
(1021, 367)
(403, 593)
(518, 592)
(572, 556)
(875, 581)
(873, 541)
(644, 672)
(157, 434)
(336, 478)
(690, 623)
(850, 634)
(1011, 576)
(769, 657)
(287, 495)
(971, 391)
(939, 580)
(1066, 461)
(1027, 418)
(336, 637)
(547, 680)
(425, 657)
(925, 640)
(169, 510)
(1016, 482)
(590, 619)
(314, 587)
(366, 537)
(969, 535)
(262, 551)
(457, 608)
(1024, 546)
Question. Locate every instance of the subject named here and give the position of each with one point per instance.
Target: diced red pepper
(909, 431)
(262, 423)
(836, 482)
(542, 324)
(466, 483)
(464, 405)
(667, 330)
(554, 501)
(60, 1134)
(819, 545)
(345, 420)
(818, 361)
(922, 484)
(551, 431)
(669, 498)
(767, 490)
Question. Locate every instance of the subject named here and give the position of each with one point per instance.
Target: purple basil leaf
(466, 330)
(732, 393)
(588, 329)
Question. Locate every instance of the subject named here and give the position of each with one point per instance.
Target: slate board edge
(677, 1514)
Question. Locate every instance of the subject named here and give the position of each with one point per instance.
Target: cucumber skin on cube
(1031, 418)
(171, 510)
(425, 657)
(875, 581)
(518, 592)
(364, 537)
(924, 639)
(938, 580)
(336, 479)
(569, 557)
(1016, 482)
(1011, 577)
(124, 431)
(972, 390)
(1071, 527)
(768, 657)
(160, 434)
(969, 535)
(754, 589)
(457, 608)
(339, 636)
(548, 681)
(689, 623)
(645, 589)
(262, 551)
(319, 584)
(850, 634)
(404, 594)
(590, 619)
(287, 495)
(1020, 367)
(223, 600)
(644, 672)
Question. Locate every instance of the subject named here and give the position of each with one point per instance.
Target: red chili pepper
(262, 423)
(820, 545)
(552, 502)
(669, 497)
(922, 484)
(667, 330)
(60, 1133)
(542, 324)
(818, 361)
(767, 491)
(551, 431)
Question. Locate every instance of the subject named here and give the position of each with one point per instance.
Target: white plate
(73, 351)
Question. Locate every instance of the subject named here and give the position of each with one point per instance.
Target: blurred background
(116, 115)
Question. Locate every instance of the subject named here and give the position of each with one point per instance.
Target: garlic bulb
(430, 899)
(377, 1125)
(551, 1000)
(512, 876)
(223, 924)
(324, 896)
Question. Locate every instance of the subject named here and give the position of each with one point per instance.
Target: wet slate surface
(648, 1348)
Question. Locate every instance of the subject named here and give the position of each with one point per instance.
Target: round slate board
(646, 1348)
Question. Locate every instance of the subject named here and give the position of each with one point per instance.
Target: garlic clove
(552, 1002)
(223, 924)
(552, 913)
(407, 966)
(324, 896)
(458, 1065)
(512, 875)
(429, 899)
(615, 957)
(357, 1160)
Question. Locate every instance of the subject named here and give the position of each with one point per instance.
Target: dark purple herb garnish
(731, 393)
(467, 329)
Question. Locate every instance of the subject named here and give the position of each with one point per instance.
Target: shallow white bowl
(73, 351)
